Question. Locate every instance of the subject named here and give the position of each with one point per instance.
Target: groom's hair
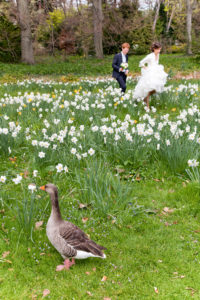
(125, 45)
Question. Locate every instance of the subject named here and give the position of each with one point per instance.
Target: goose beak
(42, 187)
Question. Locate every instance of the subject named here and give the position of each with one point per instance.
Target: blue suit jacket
(117, 60)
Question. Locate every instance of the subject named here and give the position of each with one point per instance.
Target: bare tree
(170, 19)
(158, 2)
(189, 26)
(97, 23)
(190, 6)
(26, 39)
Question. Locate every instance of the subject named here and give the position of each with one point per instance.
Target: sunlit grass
(137, 198)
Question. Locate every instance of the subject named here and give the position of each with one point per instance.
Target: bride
(153, 76)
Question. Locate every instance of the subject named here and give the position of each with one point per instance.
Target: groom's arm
(115, 65)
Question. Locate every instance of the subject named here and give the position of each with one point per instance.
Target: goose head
(52, 190)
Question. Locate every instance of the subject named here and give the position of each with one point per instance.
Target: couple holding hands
(153, 76)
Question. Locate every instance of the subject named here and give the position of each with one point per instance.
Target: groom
(118, 72)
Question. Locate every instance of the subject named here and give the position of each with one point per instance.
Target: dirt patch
(192, 75)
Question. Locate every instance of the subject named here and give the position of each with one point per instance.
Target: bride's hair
(155, 45)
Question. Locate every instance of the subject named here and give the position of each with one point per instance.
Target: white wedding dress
(153, 77)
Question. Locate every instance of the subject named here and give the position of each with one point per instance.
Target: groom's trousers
(122, 82)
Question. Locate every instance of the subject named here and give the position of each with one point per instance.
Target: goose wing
(77, 239)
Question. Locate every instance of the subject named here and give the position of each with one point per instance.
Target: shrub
(176, 48)
(142, 39)
(9, 41)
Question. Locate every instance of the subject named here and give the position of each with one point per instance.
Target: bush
(142, 39)
(9, 41)
(176, 48)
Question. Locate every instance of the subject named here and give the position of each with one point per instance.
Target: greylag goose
(69, 240)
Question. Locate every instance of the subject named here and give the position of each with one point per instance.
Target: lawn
(75, 66)
(128, 177)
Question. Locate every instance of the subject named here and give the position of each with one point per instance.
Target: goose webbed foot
(68, 263)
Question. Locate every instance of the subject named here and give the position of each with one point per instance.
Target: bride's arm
(144, 61)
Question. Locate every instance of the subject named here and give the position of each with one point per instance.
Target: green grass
(79, 66)
(147, 216)
(147, 250)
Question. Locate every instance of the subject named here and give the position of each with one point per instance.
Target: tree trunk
(170, 19)
(189, 26)
(26, 39)
(156, 15)
(97, 22)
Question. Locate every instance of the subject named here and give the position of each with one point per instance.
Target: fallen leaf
(138, 178)
(120, 170)
(42, 253)
(81, 205)
(94, 269)
(156, 290)
(113, 221)
(60, 268)
(157, 180)
(89, 293)
(181, 277)
(6, 253)
(29, 249)
(12, 158)
(6, 240)
(190, 289)
(87, 273)
(168, 210)
(3, 227)
(38, 224)
(26, 174)
(46, 292)
(8, 261)
(84, 220)
(104, 278)
(167, 224)
(2, 211)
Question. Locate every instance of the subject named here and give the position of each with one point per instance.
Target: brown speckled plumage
(67, 238)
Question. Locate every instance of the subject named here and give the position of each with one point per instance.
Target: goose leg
(68, 263)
